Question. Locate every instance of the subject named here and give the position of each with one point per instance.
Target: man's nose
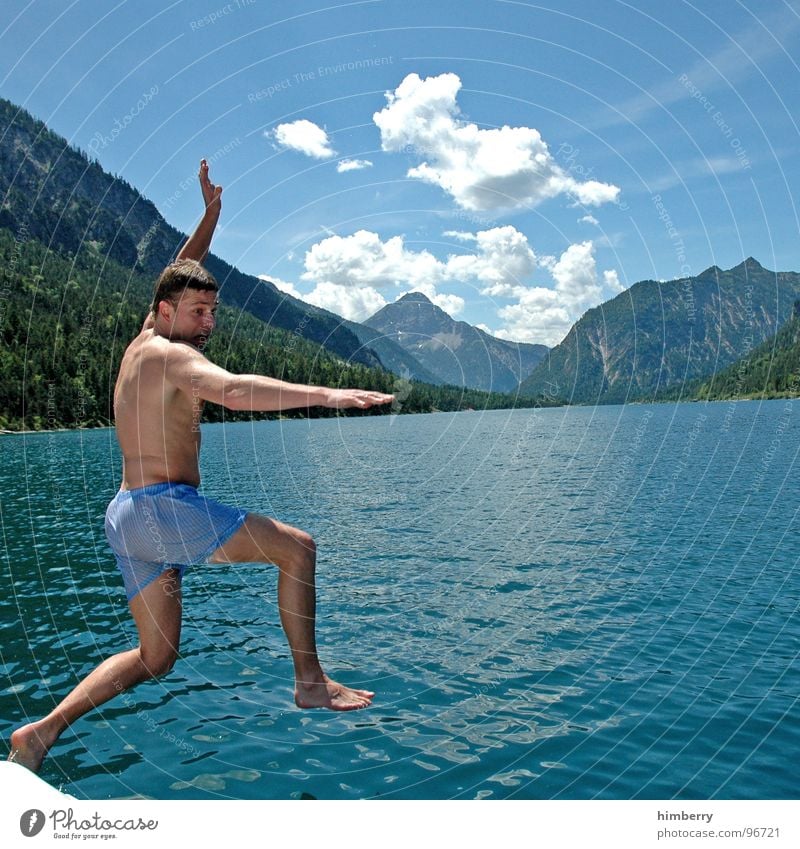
(209, 322)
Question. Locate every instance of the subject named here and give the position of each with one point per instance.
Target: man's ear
(165, 310)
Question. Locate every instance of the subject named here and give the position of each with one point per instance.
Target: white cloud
(283, 285)
(305, 137)
(351, 273)
(461, 235)
(546, 315)
(354, 303)
(364, 260)
(502, 257)
(612, 281)
(538, 316)
(481, 169)
(589, 219)
(451, 304)
(501, 260)
(575, 274)
(352, 165)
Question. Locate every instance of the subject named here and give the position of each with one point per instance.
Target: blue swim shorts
(165, 526)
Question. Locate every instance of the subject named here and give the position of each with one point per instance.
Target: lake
(569, 603)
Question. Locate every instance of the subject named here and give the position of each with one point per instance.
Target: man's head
(185, 302)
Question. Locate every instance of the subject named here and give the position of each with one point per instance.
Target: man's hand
(212, 195)
(340, 398)
(199, 242)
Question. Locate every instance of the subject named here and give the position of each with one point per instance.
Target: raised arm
(199, 242)
(190, 371)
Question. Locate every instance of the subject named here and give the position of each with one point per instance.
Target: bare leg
(157, 613)
(263, 540)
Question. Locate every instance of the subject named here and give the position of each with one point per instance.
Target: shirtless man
(158, 522)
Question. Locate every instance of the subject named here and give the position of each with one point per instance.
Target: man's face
(192, 316)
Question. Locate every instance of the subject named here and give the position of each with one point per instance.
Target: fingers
(367, 399)
(211, 192)
(370, 398)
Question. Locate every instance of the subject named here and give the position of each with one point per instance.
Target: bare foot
(329, 694)
(29, 745)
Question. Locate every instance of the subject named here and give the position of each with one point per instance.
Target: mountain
(659, 335)
(456, 352)
(79, 251)
(65, 321)
(393, 356)
(772, 370)
(53, 193)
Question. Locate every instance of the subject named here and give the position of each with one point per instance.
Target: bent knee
(158, 663)
(307, 544)
(304, 550)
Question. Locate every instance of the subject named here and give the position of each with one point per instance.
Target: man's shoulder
(152, 346)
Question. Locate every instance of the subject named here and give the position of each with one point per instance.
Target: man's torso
(157, 423)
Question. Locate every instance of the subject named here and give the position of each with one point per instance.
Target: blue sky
(517, 162)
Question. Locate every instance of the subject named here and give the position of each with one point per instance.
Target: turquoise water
(564, 603)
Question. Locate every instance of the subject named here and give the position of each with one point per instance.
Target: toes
(353, 705)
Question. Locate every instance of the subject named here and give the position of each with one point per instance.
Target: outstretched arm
(199, 242)
(188, 369)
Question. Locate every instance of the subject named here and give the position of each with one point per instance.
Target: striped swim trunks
(165, 526)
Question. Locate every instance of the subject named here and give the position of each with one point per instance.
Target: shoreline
(775, 397)
(6, 432)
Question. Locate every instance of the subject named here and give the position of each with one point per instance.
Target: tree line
(66, 319)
